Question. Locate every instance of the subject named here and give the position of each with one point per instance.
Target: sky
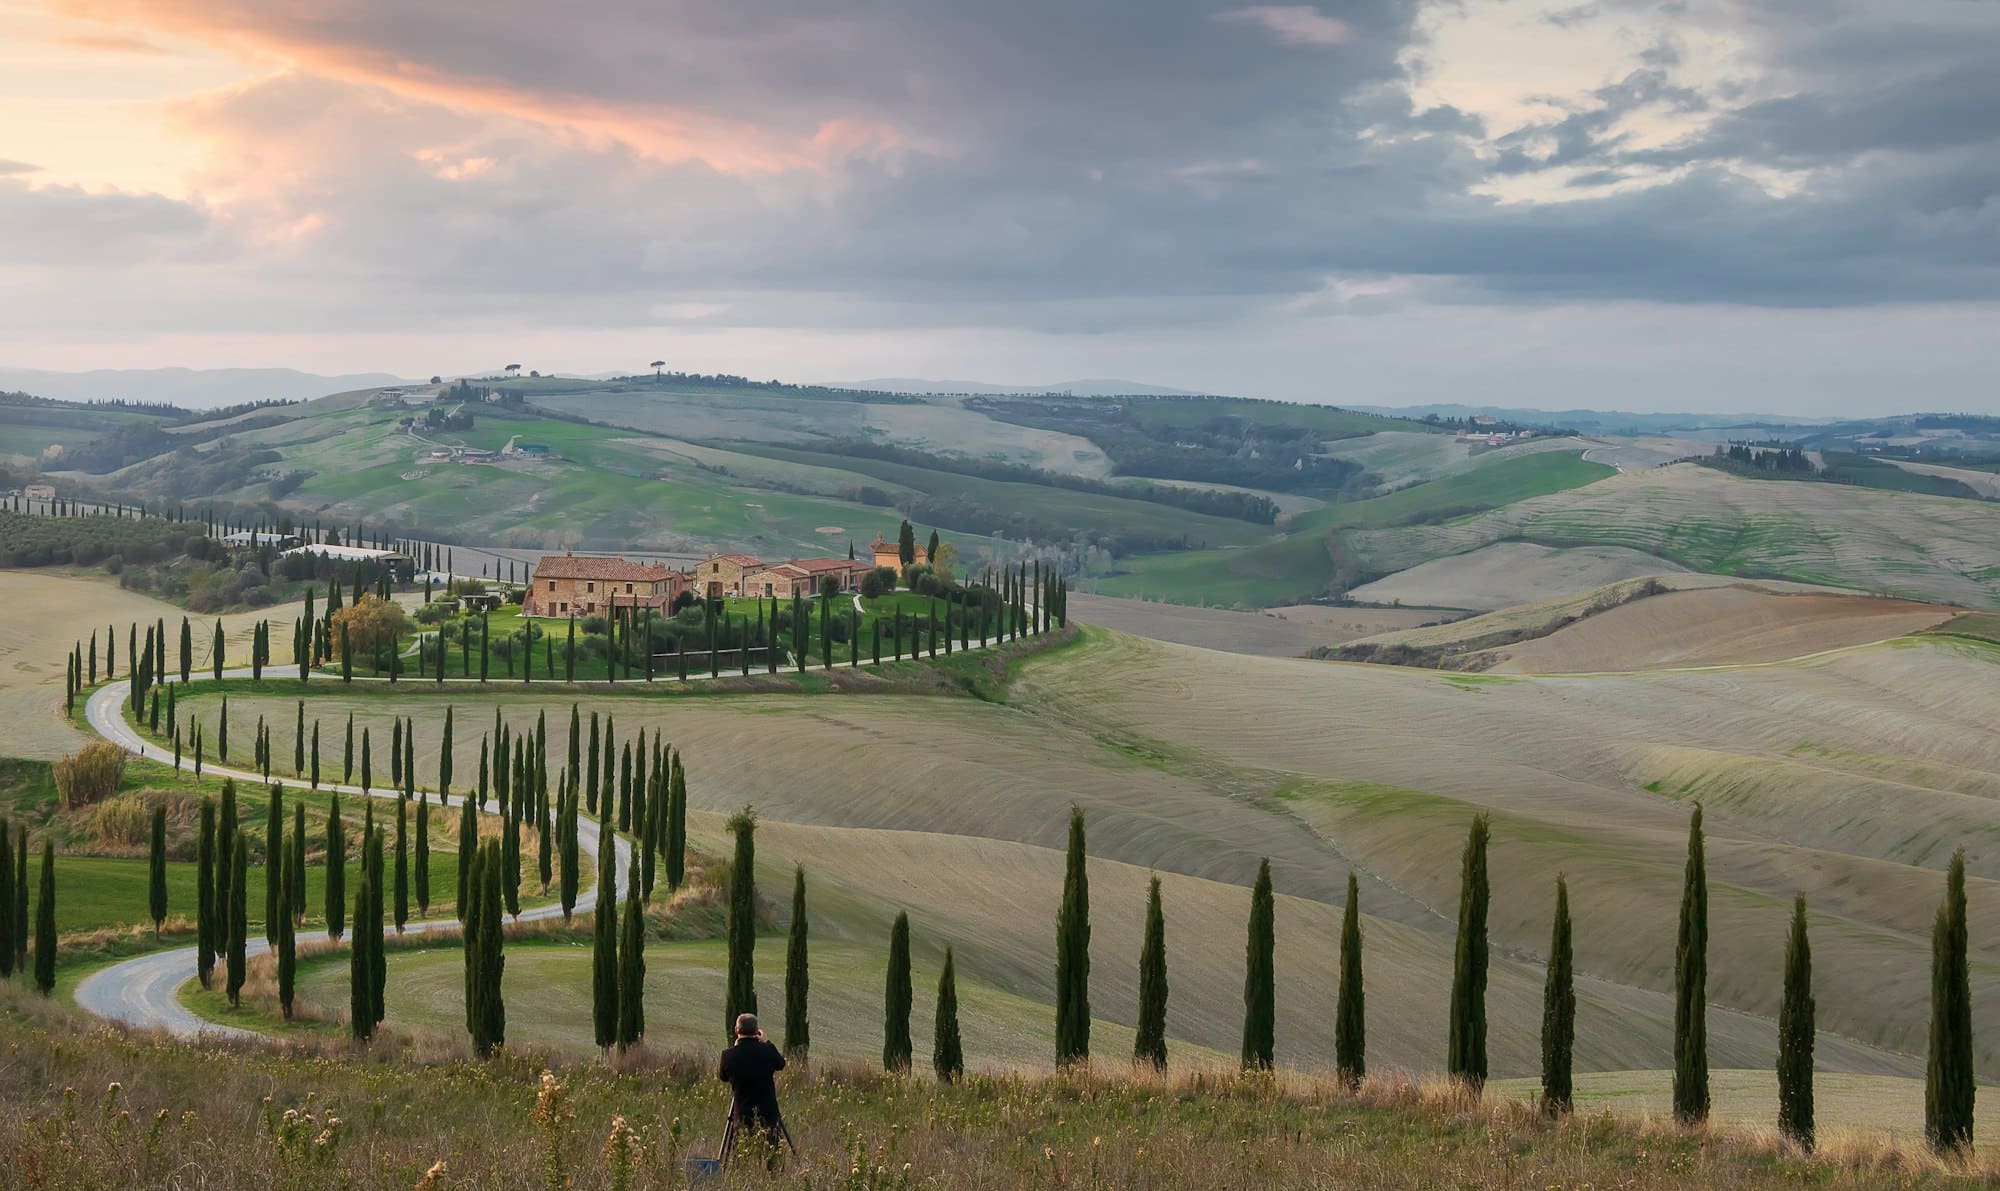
(1790, 206)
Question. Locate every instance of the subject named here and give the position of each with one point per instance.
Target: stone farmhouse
(722, 574)
(802, 576)
(571, 585)
(889, 554)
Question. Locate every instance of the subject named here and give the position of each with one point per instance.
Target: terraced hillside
(1896, 543)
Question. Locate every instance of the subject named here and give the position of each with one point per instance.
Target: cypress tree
(1073, 952)
(510, 864)
(156, 869)
(225, 835)
(285, 940)
(7, 898)
(295, 867)
(798, 980)
(274, 850)
(475, 869)
(45, 921)
(367, 765)
(336, 872)
(423, 858)
(1466, 1059)
(604, 953)
(222, 730)
(1691, 987)
(571, 869)
(187, 649)
(444, 753)
(896, 999)
(947, 1052)
(1150, 1046)
(205, 913)
(1350, 1019)
(632, 967)
(544, 844)
(1559, 1010)
(1795, 1035)
(1948, 1075)
(314, 759)
(625, 788)
(377, 960)
(677, 805)
(347, 753)
(742, 990)
(590, 780)
(299, 742)
(239, 916)
(395, 754)
(402, 877)
(1259, 976)
(468, 841)
(484, 774)
(360, 981)
(486, 1011)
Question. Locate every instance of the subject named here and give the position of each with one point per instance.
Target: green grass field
(1299, 566)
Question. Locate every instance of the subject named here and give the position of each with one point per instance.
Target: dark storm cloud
(1113, 163)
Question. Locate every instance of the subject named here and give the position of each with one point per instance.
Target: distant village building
(889, 554)
(528, 450)
(245, 539)
(801, 576)
(722, 574)
(39, 492)
(573, 585)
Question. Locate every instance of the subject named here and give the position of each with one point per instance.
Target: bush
(878, 582)
(371, 624)
(91, 774)
(123, 822)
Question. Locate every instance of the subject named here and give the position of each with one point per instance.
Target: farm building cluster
(569, 584)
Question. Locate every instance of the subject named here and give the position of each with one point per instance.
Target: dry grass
(1509, 573)
(95, 1108)
(1929, 548)
(1724, 626)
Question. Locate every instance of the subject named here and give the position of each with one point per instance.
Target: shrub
(124, 822)
(90, 774)
(370, 624)
(878, 582)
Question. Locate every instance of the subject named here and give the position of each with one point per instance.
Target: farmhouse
(722, 574)
(589, 585)
(39, 492)
(802, 576)
(888, 554)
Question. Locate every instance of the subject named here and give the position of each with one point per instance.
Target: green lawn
(1301, 565)
(98, 892)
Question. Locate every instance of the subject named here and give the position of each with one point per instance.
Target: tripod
(729, 1131)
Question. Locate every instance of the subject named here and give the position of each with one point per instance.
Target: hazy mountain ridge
(1105, 387)
(189, 388)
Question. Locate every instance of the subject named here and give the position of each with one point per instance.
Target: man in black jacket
(748, 1067)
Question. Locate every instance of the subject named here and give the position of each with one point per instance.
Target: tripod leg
(787, 1135)
(728, 1140)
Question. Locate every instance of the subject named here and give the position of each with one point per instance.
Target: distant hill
(1598, 421)
(189, 388)
(1075, 388)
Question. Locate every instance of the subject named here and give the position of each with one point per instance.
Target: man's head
(746, 1025)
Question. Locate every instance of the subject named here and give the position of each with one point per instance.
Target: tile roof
(597, 566)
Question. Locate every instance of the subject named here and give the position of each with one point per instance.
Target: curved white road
(142, 991)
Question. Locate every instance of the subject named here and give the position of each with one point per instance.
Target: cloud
(9, 168)
(1036, 169)
(1291, 24)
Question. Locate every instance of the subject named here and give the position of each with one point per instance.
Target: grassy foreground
(90, 1107)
